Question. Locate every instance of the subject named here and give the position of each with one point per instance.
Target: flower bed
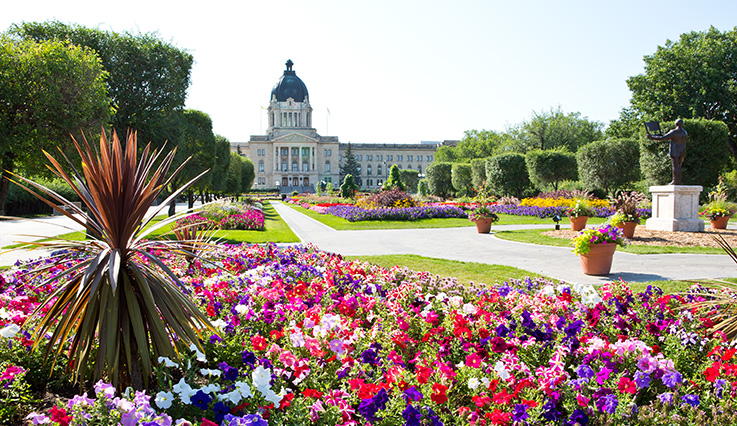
(228, 216)
(310, 338)
(355, 214)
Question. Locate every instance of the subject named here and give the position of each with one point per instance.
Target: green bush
(348, 188)
(478, 172)
(394, 181)
(22, 203)
(608, 165)
(506, 174)
(422, 188)
(439, 181)
(707, 155)
(550, 167)
(461, 179)
(410, 178)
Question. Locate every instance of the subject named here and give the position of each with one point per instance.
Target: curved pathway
(465, 244)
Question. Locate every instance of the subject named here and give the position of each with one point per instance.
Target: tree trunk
(6, 165)
(190, 199)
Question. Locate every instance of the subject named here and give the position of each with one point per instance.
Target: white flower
(234, 397)
(163, 399)
(244, 389)
(211, 388)
(261, 377)
(211, 373)
(274, 397)
(548, 291)
(486, 381)
(219, 323)
(455, 301)
(468, 308)
(9, 331)
(167, 362)
(4, 314)
(241, 309)
(473, 383)
(501, 370)
(184, 390)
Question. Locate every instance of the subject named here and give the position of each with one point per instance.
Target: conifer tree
(351, 167)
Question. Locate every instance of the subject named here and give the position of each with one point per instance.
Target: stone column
(675, 208)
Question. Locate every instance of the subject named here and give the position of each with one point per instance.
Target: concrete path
(465, 244)
(25, 230)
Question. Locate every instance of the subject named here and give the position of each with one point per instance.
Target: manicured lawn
(464, 271)
(534, 236)
(341, 224)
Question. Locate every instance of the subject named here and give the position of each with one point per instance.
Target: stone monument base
(675, 208)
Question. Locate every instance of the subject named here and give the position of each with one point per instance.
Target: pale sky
(402, 71)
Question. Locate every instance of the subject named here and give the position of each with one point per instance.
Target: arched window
(261, 166)
(368, 170)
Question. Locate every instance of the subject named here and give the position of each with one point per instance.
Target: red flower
(728, 354)
(206, 422)
(712, 372)
(438, 393)
(259, 343)
(59, 415)
(423, 374)
(627, 385)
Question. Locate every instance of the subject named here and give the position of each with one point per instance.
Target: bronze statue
(676, 150)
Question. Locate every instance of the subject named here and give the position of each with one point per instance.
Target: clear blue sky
(402, 71)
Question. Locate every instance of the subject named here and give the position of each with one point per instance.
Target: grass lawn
(464, 271)
(276, 231)
(534, 236)
(341, 224)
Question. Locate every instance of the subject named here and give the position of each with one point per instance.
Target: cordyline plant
(120, 296)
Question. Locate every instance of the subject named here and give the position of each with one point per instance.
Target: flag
(328, 111)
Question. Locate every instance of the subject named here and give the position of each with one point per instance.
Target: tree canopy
(694, 77)
(350, 166)
(47, 91)
(556, 129)
(147, 77)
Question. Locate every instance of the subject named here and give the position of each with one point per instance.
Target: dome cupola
(289, 86)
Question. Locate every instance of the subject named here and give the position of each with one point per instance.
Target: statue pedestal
(675, 208)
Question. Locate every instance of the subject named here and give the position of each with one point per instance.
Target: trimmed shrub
(23, 203)
(439, 181)
(478, 172)
(348, 188)
(394, 181)
(707, 155)
(608, 165)
(461, 179)
(422, 188)
(410, 178)
(506, 174)
(550, 167)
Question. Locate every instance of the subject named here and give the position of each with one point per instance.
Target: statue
(676, 150)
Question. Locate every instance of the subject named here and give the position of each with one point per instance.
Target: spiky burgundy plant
(121, 296)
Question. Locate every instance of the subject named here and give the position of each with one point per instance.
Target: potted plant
(483, 217)
(596, 247)
(627, 217)
(718, 210)
(579, 213)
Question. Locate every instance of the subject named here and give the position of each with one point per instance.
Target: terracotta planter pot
(483, 226)
(628, 229)
(599, 260)
(578, 223)
(720, 223)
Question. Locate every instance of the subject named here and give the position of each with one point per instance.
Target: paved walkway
(25, 230)
(465, 244)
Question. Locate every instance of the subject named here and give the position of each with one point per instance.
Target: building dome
(289, 86)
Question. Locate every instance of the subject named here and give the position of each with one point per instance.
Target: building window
(419, 169)
(379, 182)
(305, 152)
(284, 166)
(359, 157)
(409, 158)
(389, 158)
(285, 152)
(368, 170)
(330, 153)
(409, 167)
(326, 152)
(429, 158)
(370, 182)
(378, 170)
(340, 157)
(369, 158)
(295, 152)
(294, 166)
(295, 181)
(399, 166)
(327, 167)
(261, 166)
(305, 167)
(400, 157)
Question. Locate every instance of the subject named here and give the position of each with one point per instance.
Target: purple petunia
(691, 399)
(672, 379)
